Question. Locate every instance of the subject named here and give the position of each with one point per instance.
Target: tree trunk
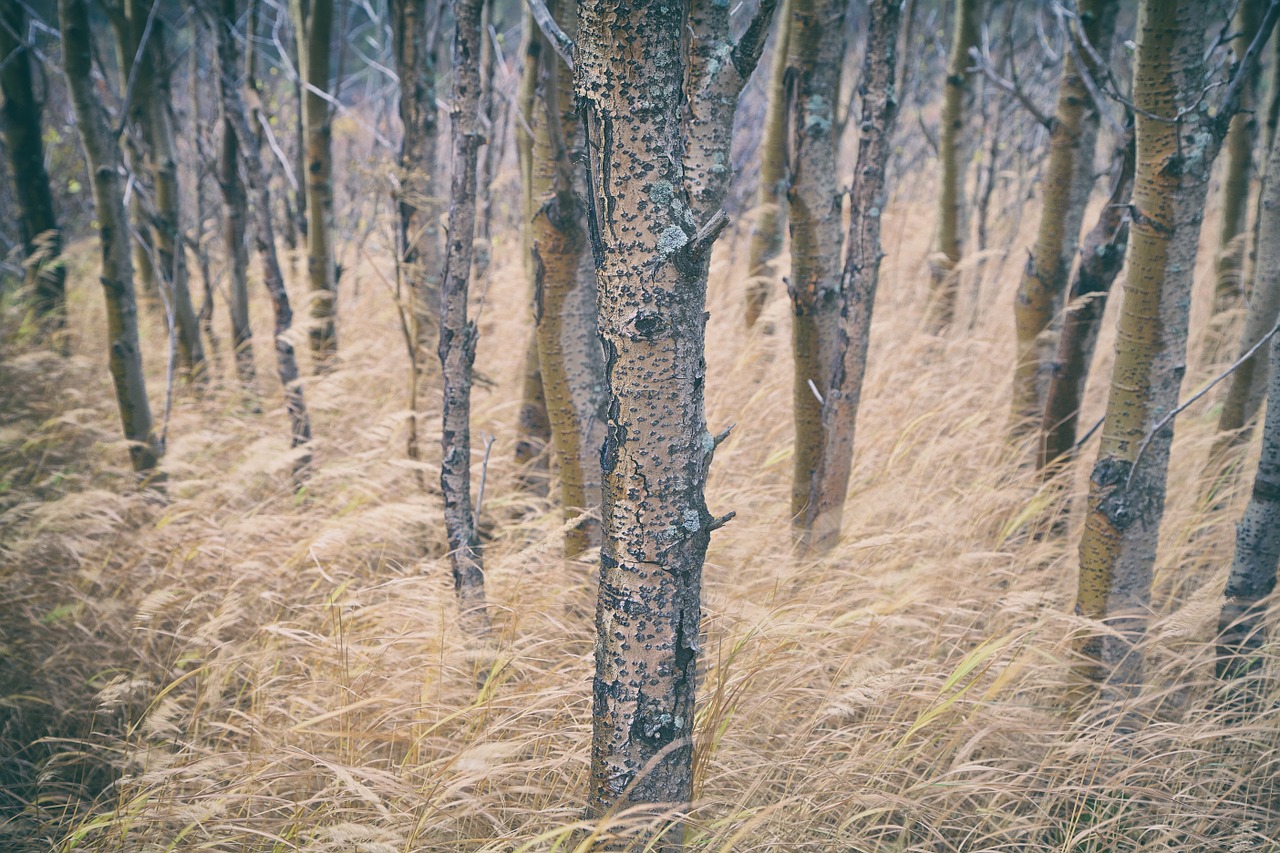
(572, 364)
(956, 103)
(1100, 263)
(313, 26)
(1253, 570)
(1228, 287)
(264, 235)
(1127, 489)
(770, 217)
(1067, 182)
(235, 215)
(416, 26)
(458, 334)
(103, 154)
(833, 318)
(38, 223)
(813, 69)
(651, 263)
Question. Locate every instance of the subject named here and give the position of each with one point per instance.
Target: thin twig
(133, 69)
(484, 472)
(560, 43)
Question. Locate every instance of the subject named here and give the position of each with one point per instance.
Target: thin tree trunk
(651, 265)
(1100, 263)
(313, 25)
(1127, 488)
(812, 73)
(235, 215)
(1253, 570)
(770, 215)
(458, 334)
(41, 236)
(838, 322)
(103, 154)
(572, 364)
(264, 234)
(956, 104)
(416, 26)
(1067, 183)
(1228, 287)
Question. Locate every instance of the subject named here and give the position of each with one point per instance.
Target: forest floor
(235, 666)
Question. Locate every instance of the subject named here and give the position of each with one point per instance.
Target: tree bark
(651, 261)
(416, 25)
(105, 167)
(956, 103)
(264, 233)
(313, 27)
(833, 318)
(1067, 183)
(38, 222)
(1100, 263)
(1127, 489)
(770, 215)
(235, 215)
(458, 334)
(1253, 569)
(571, 361)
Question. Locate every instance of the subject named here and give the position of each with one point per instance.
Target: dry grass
(236, 667)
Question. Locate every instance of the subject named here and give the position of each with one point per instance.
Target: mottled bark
(415, 25)
(813, 201)
(1228, 287)
(572, 364)
(651, 264)
(770, 217)
(234, 110)
(1127, 488)
(835, 318)
(1067, 182)
(313, 28)
(1100, 263)
(956, 104)
(1253, 569)
(38, 222)
(105, 167)
(458, 334)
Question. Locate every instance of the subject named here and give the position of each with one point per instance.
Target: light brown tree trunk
(833, 318)
(770, 214)
(105, 164)
(235, 215)
(950, 227)
(416, 25)
(572, 364)
(1228, 287)
(1127, 488)
(234, 110)
(313, 27)
(457, 333)
(41, 237)
(1253, 570)
(651, 264)
(1100, 263)
(1067, 182)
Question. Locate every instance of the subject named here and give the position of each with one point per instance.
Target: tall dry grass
(233, 666)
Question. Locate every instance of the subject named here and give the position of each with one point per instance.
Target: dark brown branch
(747, 50)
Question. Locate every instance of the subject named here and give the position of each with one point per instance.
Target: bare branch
(982, 62)
(746, 53)
(560, 43)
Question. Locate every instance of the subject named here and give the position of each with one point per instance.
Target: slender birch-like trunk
(956, 104)
(105, 167)
(1127, 488)
(38, 223)
(233, 108)
(1067, 183)
(837, 323)
(235, 200)
(458, 334)
(770, 214)
(651, 259)
(1100, 263)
